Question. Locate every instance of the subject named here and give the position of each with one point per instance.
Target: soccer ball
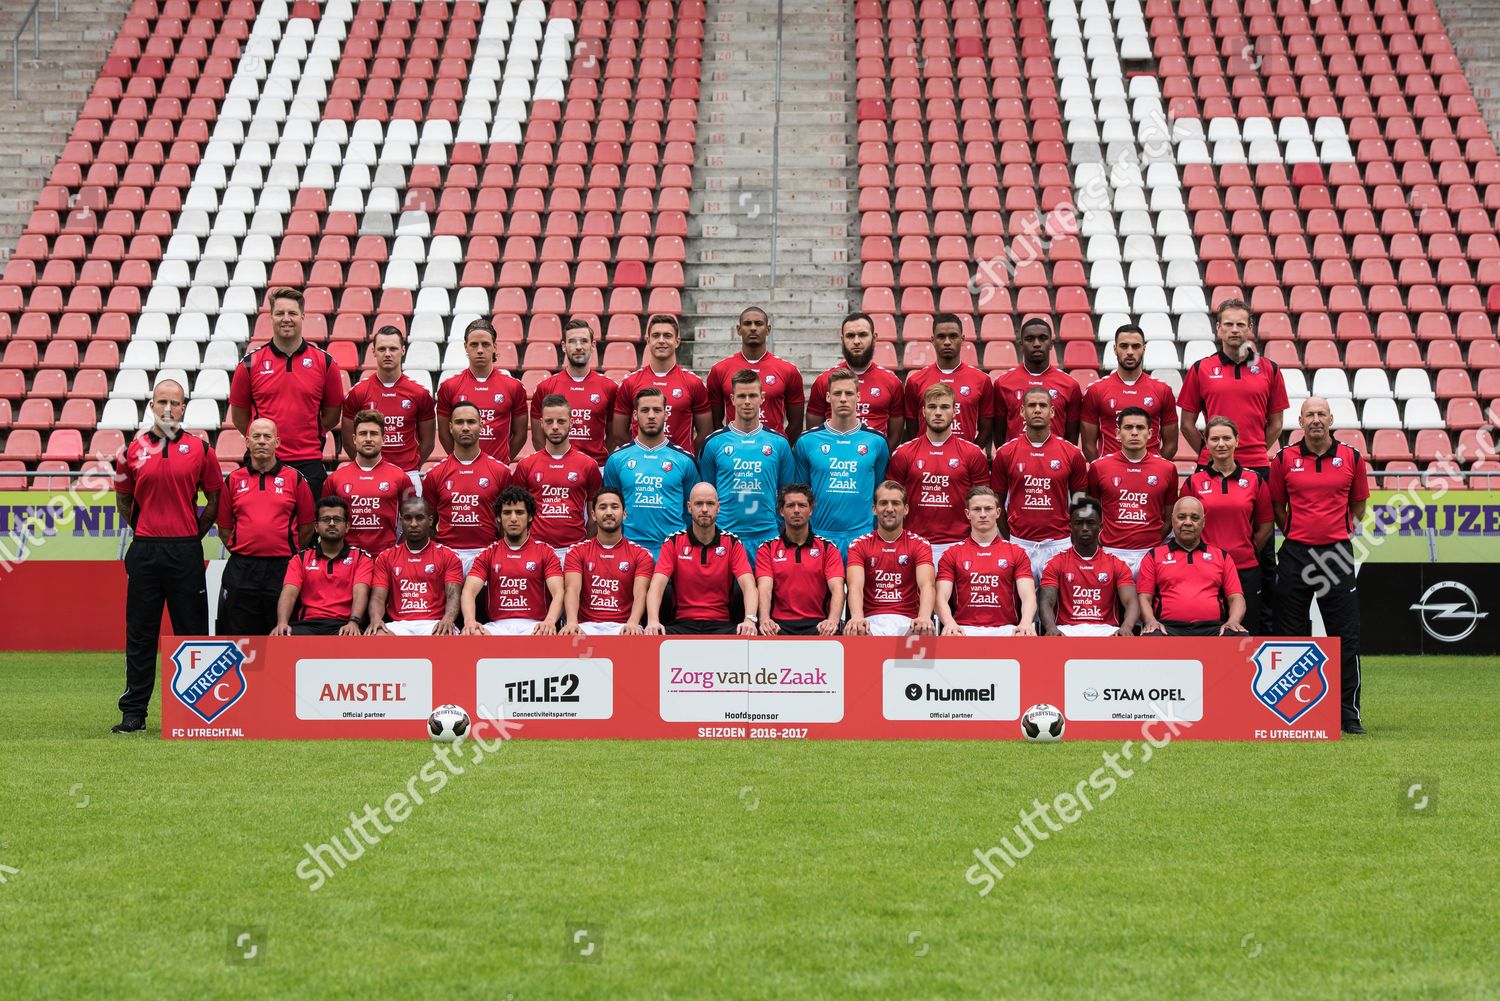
(448, 724)
(1042, 724)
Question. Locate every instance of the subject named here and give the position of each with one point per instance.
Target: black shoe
(1354, 728)
(130, 724)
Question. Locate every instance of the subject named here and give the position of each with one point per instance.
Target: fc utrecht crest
(209, 677)
(1289, 678)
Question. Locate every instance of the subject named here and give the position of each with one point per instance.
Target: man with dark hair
(500, 398)
(1127, 386)
(688, 417)
(590, 395)
(653, 474)
(520, 575)
(329, 583)
(1188, 587)
(937, 468)
(841, 460)
(1036, 474)
(782, 404)
(706, 565)
(800, 576)
(1136, 487)
(372, 486)
(605, 578)
(463, 487)
(1085, 590)
(890, 573)
(417, 582)
(410, 421)
(561, 478)
(881, 405)
(748, 462)
(973, 392)
(1036, 371)
(984, 584)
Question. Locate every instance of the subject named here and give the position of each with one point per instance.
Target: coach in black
(156, 490)
(1319, 487)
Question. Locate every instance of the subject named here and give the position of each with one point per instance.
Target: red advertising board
(860, 688)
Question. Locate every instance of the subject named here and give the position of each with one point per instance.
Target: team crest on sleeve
(1289, 678)
(209, 678)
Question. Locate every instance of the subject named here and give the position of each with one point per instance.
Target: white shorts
(415, 475)
(1131, 557)
(511, 627)
(412, 627)
(988, 630)
(888, 624)
(467, 557)
(600, 628)
(1089, 628)
(1041, 553)
(938, 549)
(562, 554)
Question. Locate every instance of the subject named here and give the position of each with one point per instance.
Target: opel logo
(1090, 694)
(1449, 611)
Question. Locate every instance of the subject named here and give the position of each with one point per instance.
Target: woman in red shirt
(1237, 513)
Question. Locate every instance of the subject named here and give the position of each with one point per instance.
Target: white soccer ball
(448, 724)
(1042, 723)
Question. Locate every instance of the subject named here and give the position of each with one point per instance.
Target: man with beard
(520, 575)
(561, 478)
(372, 486)
(328, 582)
(501, 399)
(1036, 371)
(590, 395)
(605, 578)
(1127, 386)
(973, 392)
(881, 405)
(783, 403)
(463, 487)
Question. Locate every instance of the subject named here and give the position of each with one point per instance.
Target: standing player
(462, 489)
(973, 392)
(328, 582)
(1085, 590)
(1127, 386)
(1037, 473)
(653, 475)
(1036, 371)
(1237, 514)
(372, 486)
(688, 418)
(1319, 488)
(410, 422)
(800, 576)
(500, 398)
(881, 402)
(1137, 488)
(292, 383)
(748, 463)
(982, 580)
(561, 478)
(890, 574)
(156, 492)
(1187, 587)
(605, 578)
(266, 517)
(841, 460)
(783, 405)
(590, 395)
(706, 565)
(938, 468)
(417, 582)
(520, 575)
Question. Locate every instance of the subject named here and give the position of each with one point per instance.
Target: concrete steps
(1475, 31)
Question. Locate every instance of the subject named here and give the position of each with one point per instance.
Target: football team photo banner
(857, 688)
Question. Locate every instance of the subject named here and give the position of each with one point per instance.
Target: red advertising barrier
(861, 688)
(63, 605)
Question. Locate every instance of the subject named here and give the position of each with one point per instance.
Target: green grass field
(751, 870)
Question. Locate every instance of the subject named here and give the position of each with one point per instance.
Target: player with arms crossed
(462, 489)
(1036, 474)
(800, 576)
(1137, 488)
(783, 404)
(937, 468)
(841, 460)
(1085, 590)
(748, 463)
(590, 396)
(653, 475)
(417, 582)
(981, 580)
(409, 425)
(329, 582)
(499, 398)
(973, 392)
(882, 404)
(890, 574)
(371, 486)
(522, 575)
(561, 478)
(605, 578)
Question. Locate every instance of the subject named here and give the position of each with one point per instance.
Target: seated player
(519, 574)
(1085, 590)
(605, 578)
(705, 565)
(800, 576)
(984, 584)
(329, 583)
(416, 584)
(1188, 587)
(890, 574)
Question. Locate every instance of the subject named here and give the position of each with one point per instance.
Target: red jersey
(891, 572)
(404, 404)
(1067, 400)
(1036, 483)
(1232, 506)
(416, 582)
(1087, 587)
(1320, 491)
(259, 513)
(591, 400)
(704, 573)
(974, 397)
(1190, 585)
(1248, 392)
(780, 383)
(291, 390)
(325, 585)
(516, 579)
(937, 480)
(501, 401)
(1136, 498)
(686, 396)
(374, 497)
(799, 576)
(562, 486)
(1103, 401)
(880, 397)
(163, 476)
(984, 581)
(462, 495)
(607, 576)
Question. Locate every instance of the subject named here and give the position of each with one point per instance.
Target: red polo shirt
(259, 513)
(1136, 497)
(704, 573)
(501, 401)
(607, 576)
(163, 477)
(326, 585)
(799, 576)
(416, 582)
(291, 390)
(984, 581)
(1011, 387)
(591, 400)
(1190, 585)
(562, 486)
(1103, 401)
(881, 396)
(974, 397)
(1247, 392)
(463, 495)
(1232, 506)
(1087, 587)
(1320, 491)
(516, 579)
(780, 384)
(374, 497)
(1035, 482)
(404, 404)
(891, 572)
(937, 478)
(686, 395)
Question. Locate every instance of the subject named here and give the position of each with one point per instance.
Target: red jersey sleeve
(1359, 487)
(817, 397)
(574, 561)
(212, 477)
(698, 397)
(333, 386)
(665, 564)
(896, 468)
(1278, 479)
(623, 399)
(946, 568)
(294, 573)
(1261, 511)
(1049, 573)
(239, 387)
(909, 398)
(593, 480)
(444, 403)
(1072, 403)
(1229, 577)
(739, 561)
(1088, 408)
(794, 390)
(1123, 576)
(424, 405)
(715, 387)
(453, 568)
(645, 563)
(922, 551)
(1000, 473)
(226, 514)
(1145, 582)
(1078, 475)
(364, 571)
(518, 402)
(551, 566)
(763, 561)
(430, 487)
(979, 466)
(1278, 400)
(1170, 493)
(833, 563)
(352, 402)
(1021, 566)
(381, 575)
(987, 400)
(1168, 407)
(1190, 398)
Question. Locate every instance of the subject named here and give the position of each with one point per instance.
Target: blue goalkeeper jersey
(843, 468)
(748, 470)
(656, 483)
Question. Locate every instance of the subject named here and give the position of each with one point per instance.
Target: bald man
(703, 565)
(265, 520)
(1187, 587)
